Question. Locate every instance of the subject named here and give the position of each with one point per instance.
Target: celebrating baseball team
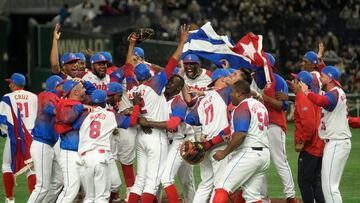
(231, 122)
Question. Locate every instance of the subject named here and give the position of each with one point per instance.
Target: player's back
(154, 107)
(201, 82)
(27, 103)
(44, 124)
(96, 130)
(212, 110)
(256, 113)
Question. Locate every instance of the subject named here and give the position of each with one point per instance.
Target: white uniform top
(334, 119)
(96, 130)
(100, 84)
(316, 84)
(213, 115)
(251, 117)
(201, 82)
(177, 103)
(27, 103)
(154, 106)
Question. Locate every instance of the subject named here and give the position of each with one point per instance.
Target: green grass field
(350, 184)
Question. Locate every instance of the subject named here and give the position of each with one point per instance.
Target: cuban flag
(20, 139)
(206, 43)
(250, 46)
(247, 53)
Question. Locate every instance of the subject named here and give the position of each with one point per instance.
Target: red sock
(259, 201)
(236, 196)
(129, 175)
(221, 196)
(9, 183)
(113, 195)
(147, 198)
(133, 198)
(31, 182)
(172, 194)
(155, 200)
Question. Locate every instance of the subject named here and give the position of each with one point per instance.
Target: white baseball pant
(126, 140)
(49, 178)
(246, 168)
(6, 161)
(115, 180)
(151, 154)
(175, 165)
(336, 153)
(95, 176)
(210, 171)
(277, 143)
(70, 163)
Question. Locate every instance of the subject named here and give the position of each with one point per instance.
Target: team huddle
(68, 138)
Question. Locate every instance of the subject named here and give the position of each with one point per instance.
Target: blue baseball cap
(231, 70)
(312, 57)
(333, 73)
(139, 52)
(114, 88)
(304, 77)
(218, 73)
(107, 55)
(17, 79)
(53, 81)
(191, 58)
(81, 56)
(142, 72)
(98, 96)
(68, 57)
(271, 58)
(96, 58)
(68, 85)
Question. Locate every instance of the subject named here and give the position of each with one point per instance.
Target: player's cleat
(8, 200)
(292, 200)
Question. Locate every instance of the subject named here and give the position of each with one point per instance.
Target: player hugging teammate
(230, 122)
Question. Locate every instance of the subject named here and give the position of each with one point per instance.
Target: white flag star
(249, 50)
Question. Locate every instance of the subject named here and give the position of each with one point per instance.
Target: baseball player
(195, 76)
(98, 76)
(152, 148)
(175, 127)
(68, 110)
(43, 151)
(307, 141)
(114, 94)
(249, 145)
(277, 128)
(211, 114)
(17, 118)
(81, 64)
(69, 61)
(139, 57)
(334, 130)
(95, 130)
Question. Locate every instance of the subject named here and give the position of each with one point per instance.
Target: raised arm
(129, 66)
(184, 34)
(54, 55)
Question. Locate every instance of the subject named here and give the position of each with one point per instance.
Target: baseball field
(350, 184)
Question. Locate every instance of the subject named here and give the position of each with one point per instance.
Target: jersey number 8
(95, 127)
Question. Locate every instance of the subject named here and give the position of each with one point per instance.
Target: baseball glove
(192, 152)
(142, 34)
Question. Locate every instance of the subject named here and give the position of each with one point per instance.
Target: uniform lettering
(21, 96)
(98, 116)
